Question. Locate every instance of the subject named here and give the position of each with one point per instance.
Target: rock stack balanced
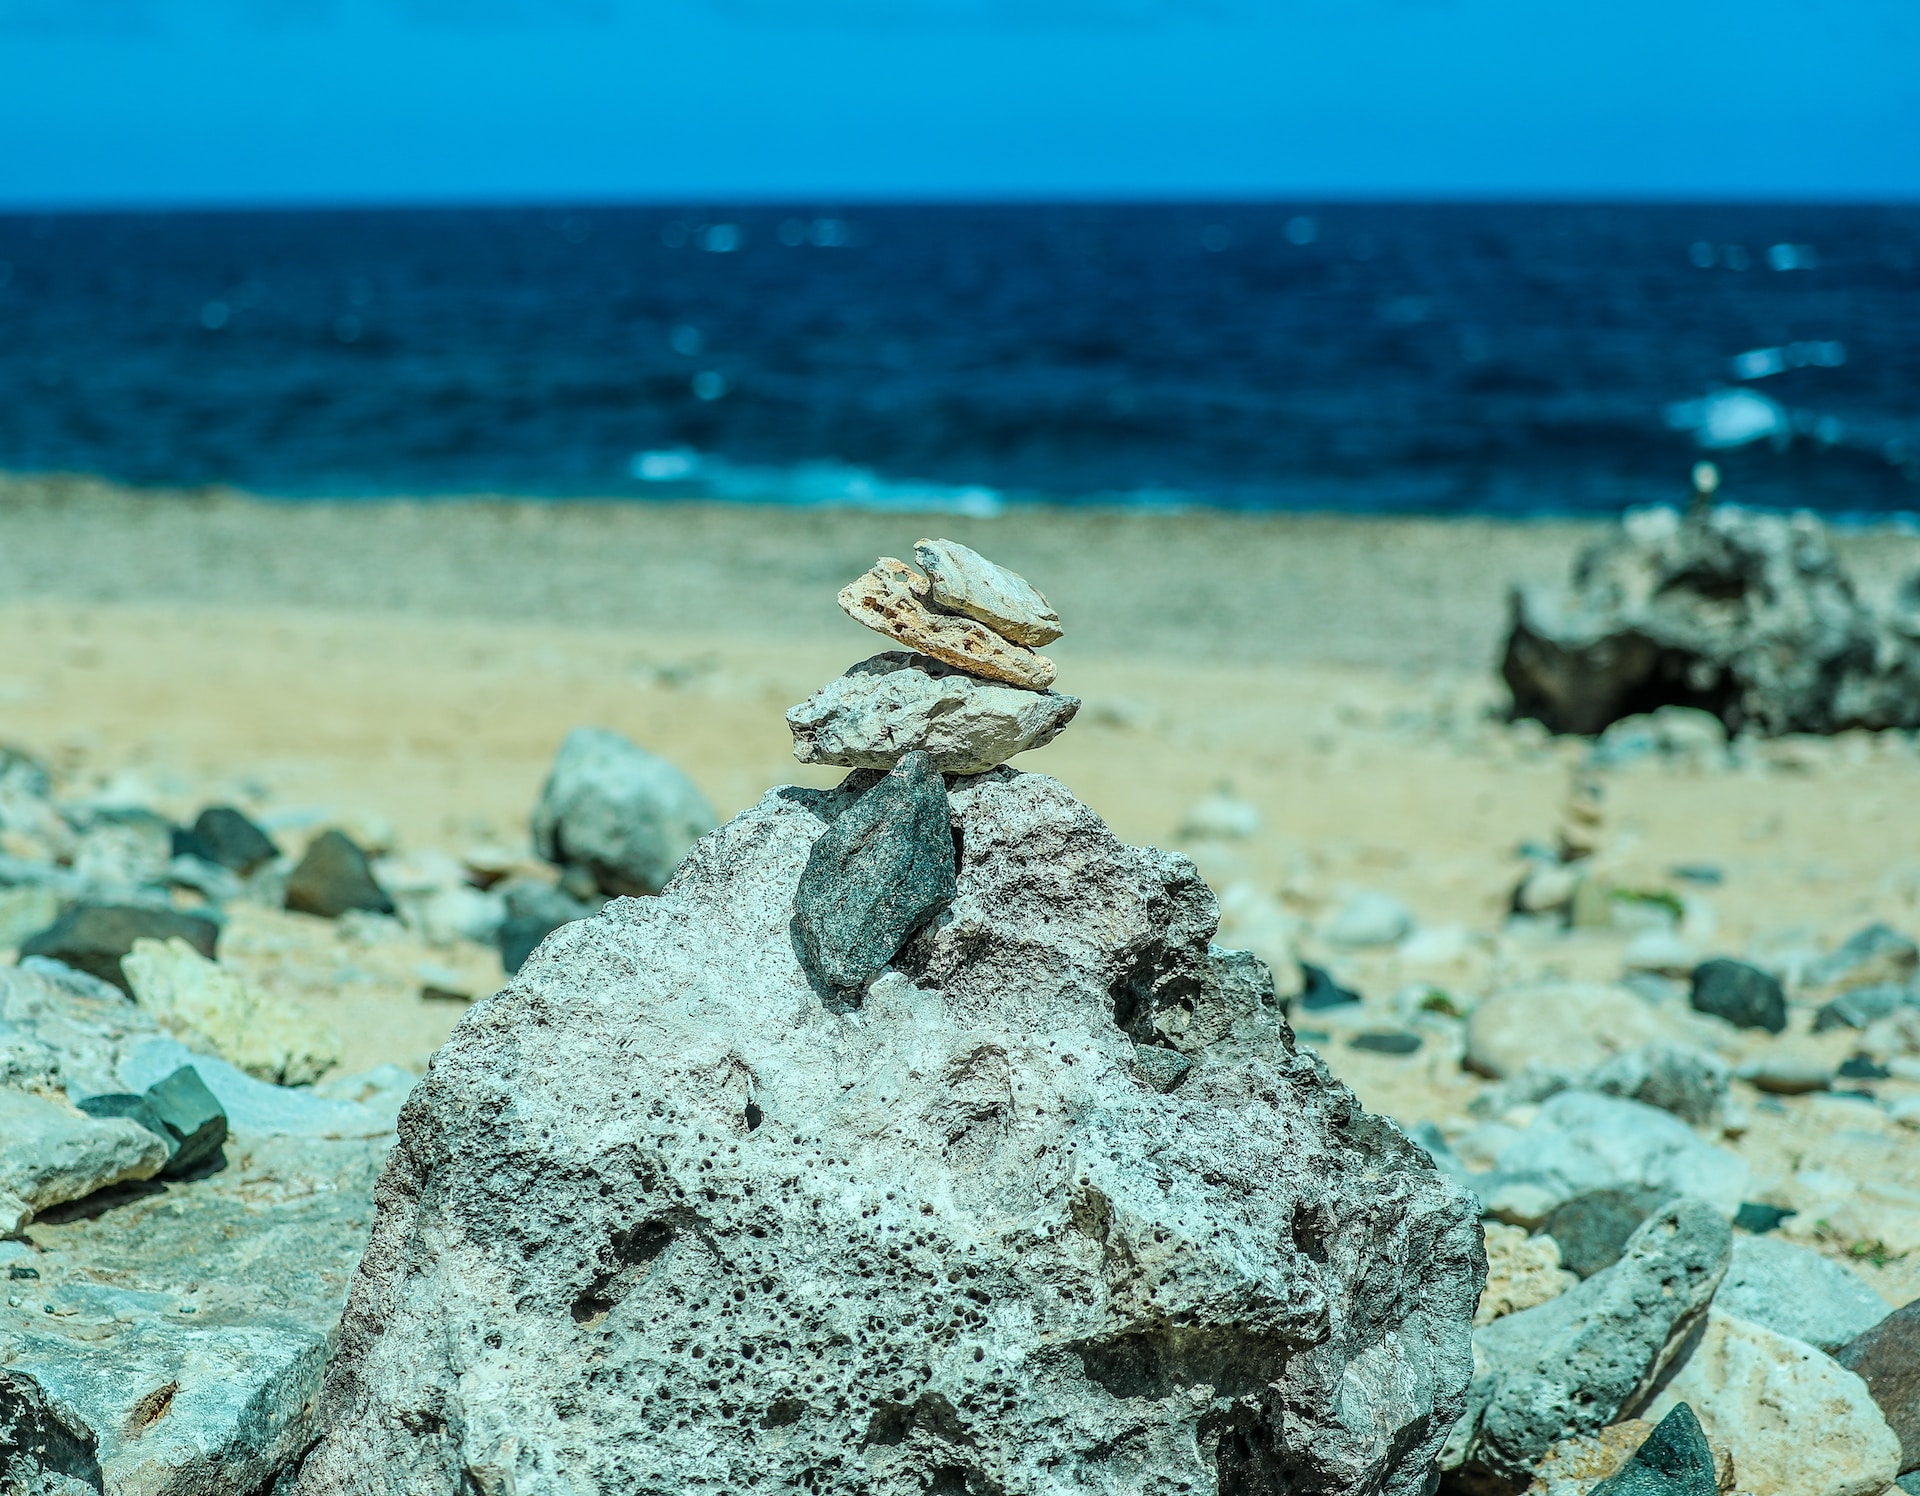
(972, 692)
(914, 1138)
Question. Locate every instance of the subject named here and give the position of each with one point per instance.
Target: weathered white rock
(1571, 1026)
(1522, 1270)
(1220, 816)
(1798, 1293)
(964, 581)
(892, 599)
(663, 1219)
(183, 1346)
(1369, 918)
(205, 1005)
(896, 703)
(1799, 1423)
(1582, 1141)
(50, 1153)
(626, 815)
(1577, 1362)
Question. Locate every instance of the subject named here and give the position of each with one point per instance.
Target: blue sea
(1439, 358)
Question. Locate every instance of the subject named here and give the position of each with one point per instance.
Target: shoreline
(1421, 593)
(407, 671)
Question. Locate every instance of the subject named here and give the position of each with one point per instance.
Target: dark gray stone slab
(93, 937)
(876, 874)
(1739, 993)
(334, 878)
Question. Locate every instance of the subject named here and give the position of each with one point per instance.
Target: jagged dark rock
(226, 837)
(94, 937)
(1745, 615)
(1741, 994)
(334, 878)
(1676, 1460)
(877, 873)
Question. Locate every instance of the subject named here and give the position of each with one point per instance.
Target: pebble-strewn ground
(407, 671)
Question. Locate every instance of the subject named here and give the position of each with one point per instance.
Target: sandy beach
(406, 670)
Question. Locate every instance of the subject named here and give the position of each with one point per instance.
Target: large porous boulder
(1748, 616)
(664, 1218)
(625, 815)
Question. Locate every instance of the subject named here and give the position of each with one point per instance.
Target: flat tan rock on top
(892, 599)
(962, 580)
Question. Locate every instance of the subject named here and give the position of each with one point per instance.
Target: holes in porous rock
(1154, 1364)
(1244, 1457)
(151, 1409)
(1310, 1233)
(754, 1116)
(632, 1255)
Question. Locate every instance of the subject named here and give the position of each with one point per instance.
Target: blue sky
(110, 102)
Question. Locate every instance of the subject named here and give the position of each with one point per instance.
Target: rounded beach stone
(1796, 1292)
(1799, 1423)
(1572, 1026)
(623, 814)
(1739, 993)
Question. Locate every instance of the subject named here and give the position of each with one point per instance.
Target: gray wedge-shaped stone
(887, 707)
(875, 875)
(964, 581)
(1577, 1362)
(51, 1153)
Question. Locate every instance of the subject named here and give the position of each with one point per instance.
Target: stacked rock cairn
(969, 693)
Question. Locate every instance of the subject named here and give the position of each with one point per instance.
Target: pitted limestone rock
(894, 599)
(895, 703)
(660, 1220)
